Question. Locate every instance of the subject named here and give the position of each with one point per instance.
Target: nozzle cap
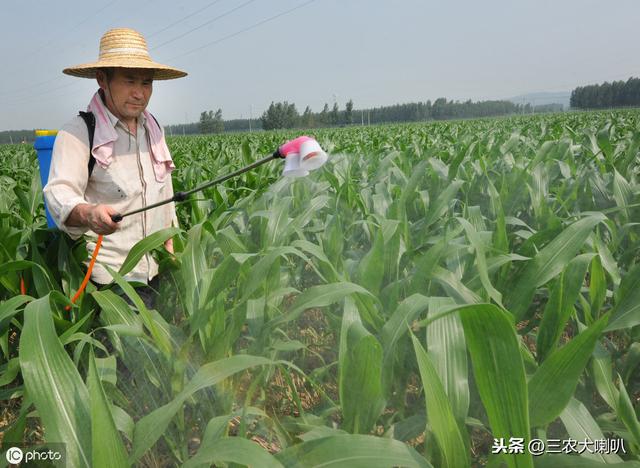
(312, 156)
(292, 166)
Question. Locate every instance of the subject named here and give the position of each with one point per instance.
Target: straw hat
(124, 48)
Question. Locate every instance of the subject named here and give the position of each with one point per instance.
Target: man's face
(128, 92)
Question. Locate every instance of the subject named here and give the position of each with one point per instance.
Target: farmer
(132, 166)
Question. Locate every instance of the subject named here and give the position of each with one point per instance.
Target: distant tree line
(442, 109)
(285, 115)
(192, 128)
(605, 95)
(546, 108)
(17, 136)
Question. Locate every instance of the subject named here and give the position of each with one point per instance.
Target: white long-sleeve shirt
(126, 184)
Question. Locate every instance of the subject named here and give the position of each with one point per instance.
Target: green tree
(218, 123)
(334, 116)
(323, 118)
(210, 122)
(280, 115)
(292, 118)
(307, 120)
(271, 118)
(206, 121)
(439, 108)
(348, 114)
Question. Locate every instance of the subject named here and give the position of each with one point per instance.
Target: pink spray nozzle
(293, 146)
(302, 155)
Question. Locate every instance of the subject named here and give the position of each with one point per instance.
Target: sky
(243, 54)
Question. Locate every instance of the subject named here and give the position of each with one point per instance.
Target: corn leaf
(549, 262)
(161, 339)
(560, 304)
(371, 268)
(394, 329)
(144, 246)
(597, 286)
(353, 451)
(108, 449)
(151, 427)
(603, 375)
(499, 373)
(627, 413)
(54, 384)
(441, 204)
(361, 380)
(9, 309)
(481, 261)
(626, 312)
(233, 450)
(319, 296)
(440, 415)
(447, 350)
(553, 384)
(580, 425)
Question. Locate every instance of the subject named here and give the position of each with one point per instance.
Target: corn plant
(434, 289)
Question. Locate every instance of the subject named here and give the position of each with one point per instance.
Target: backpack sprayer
(300, 155)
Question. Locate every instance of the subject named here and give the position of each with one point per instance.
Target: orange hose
(88, 275)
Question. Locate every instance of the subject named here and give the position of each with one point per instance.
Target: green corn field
(437, 294)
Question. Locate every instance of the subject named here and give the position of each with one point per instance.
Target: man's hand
(99, 220)
(168, 244)
(95, 217)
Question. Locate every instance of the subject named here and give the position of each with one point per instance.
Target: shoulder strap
(90, 121)
(154, 118)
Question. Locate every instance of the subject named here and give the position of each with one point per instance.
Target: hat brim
(161, 72)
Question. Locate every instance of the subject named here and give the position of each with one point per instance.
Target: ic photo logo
(14, 455)
(54, 453)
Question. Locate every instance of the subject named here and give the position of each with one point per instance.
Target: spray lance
(300, 155)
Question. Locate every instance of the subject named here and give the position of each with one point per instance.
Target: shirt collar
(142, 120)
(112, 118)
